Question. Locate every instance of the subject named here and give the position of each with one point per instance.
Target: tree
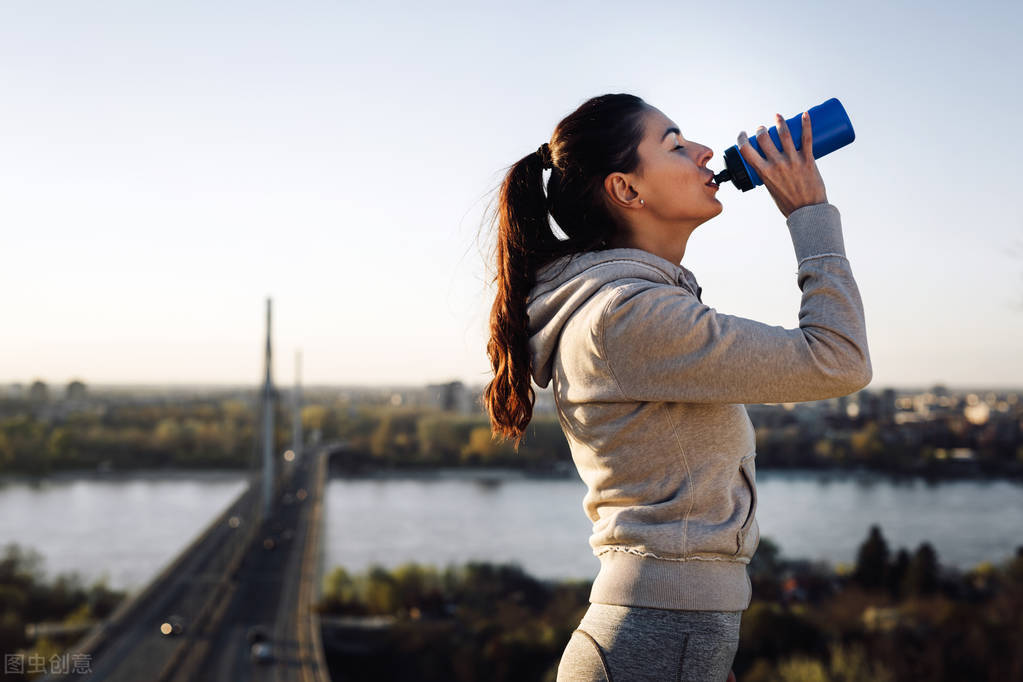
(922, 573)
(381, 591)
(872, 560)
(440, 437)
(482, 446)
(769, 631)
(59, 445)
(545, 441)
(766, 562)
(340, 592)
(313, 417)
(6, 452)
(395, 434)
(866, 442)
(897, 573)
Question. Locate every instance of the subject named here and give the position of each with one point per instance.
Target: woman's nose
(708, 153)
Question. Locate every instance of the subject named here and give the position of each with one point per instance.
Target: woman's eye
(678, 146)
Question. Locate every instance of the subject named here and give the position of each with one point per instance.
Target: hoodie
(650, 385)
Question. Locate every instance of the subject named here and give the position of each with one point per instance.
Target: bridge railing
(310, 640)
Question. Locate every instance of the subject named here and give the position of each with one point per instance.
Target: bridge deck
(234, 576)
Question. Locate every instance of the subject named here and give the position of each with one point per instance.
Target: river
(540, 524)
(130, 525)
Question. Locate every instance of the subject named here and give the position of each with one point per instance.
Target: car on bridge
(262, 652)
(172, 625)
(260, 647)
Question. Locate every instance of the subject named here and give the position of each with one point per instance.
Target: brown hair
(598, 138)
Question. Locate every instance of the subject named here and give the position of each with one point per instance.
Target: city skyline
(21, 388)
(164, 169)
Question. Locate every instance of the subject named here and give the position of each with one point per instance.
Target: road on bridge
(238, 575)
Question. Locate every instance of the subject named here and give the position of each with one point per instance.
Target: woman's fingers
(790, 175)
(767, 145)
(788, 147)
(770, 150)
(751, 155)
(807, 144)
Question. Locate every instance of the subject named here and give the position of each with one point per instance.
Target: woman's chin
(713, 214)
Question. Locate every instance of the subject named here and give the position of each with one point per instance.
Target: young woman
(650, 383)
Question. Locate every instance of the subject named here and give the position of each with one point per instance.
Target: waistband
(627, 579)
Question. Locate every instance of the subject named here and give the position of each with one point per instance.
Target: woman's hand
(790, 176)
(731, 676)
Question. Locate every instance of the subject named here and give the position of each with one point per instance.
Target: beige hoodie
(650, 385)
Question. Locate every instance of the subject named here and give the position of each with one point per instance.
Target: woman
(649, 382)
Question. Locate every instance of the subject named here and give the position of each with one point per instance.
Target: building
(76, 391)
(451, 396)
(38, 392)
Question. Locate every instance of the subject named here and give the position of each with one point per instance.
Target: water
(126, 527)
(540, 524)
(129, 527)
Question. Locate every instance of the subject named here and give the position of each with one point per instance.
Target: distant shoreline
(125, 475)
(457, 474)
(501, 474)
(481, 474)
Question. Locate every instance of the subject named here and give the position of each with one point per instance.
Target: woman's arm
(661, 343)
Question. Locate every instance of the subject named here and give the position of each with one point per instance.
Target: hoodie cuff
(816, 230)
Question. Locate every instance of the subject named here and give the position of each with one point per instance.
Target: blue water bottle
(831, 130)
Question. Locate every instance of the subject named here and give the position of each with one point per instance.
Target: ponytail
(598, 138)
(522, 234)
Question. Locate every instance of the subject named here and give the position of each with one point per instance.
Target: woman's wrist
(816, 229)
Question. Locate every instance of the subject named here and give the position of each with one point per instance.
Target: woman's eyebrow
(669, 131)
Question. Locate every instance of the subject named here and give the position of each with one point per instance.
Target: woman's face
(672, 175)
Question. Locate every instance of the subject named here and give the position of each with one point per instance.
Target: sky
(164, 168)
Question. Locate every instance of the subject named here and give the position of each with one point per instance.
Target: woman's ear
(619, 191)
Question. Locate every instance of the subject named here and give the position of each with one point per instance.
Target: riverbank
(342, 467)
(889, 618)
(121, 475)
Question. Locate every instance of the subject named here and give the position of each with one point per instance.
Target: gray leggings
(631, 643)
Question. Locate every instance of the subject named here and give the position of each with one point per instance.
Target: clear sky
(165, 167)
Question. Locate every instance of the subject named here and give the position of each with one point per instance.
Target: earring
(642, 203)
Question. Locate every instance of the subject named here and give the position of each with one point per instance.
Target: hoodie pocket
(748, 471)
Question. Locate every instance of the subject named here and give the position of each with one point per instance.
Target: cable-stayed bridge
(238, 602)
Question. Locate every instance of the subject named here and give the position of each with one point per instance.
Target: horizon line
(183, 385)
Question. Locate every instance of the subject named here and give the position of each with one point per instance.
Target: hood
(565, 285)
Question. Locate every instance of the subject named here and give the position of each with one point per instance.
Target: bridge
(242, 575)
(238, 602)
